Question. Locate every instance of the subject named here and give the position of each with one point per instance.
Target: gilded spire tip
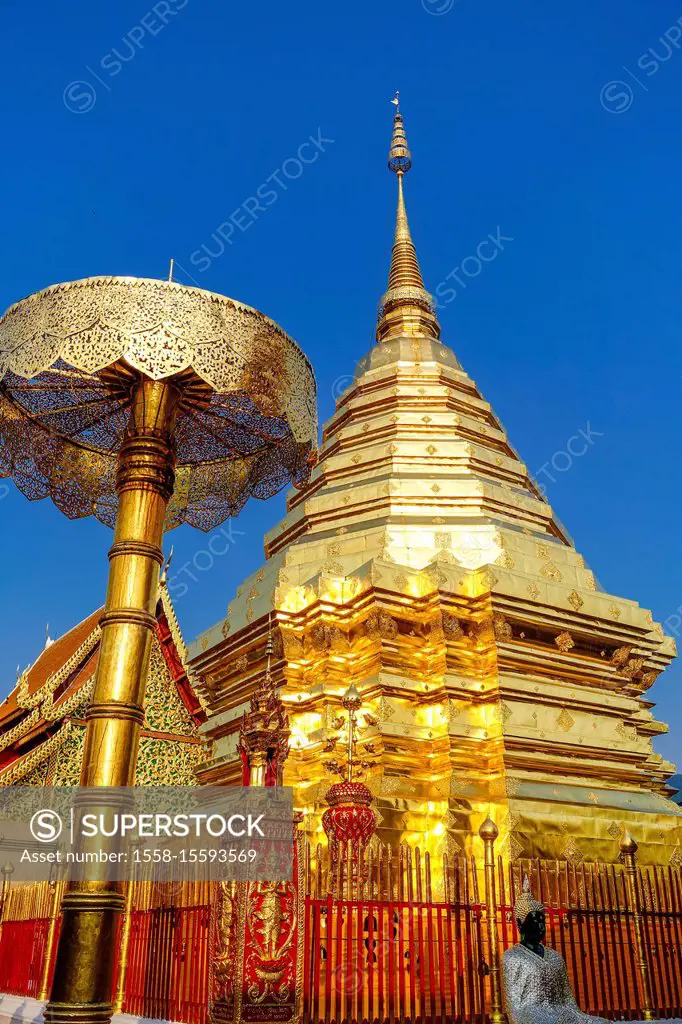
(163, 578)
(399, 156)
(407, 307)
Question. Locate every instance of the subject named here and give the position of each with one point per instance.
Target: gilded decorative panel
(164, 711)
(164, 763)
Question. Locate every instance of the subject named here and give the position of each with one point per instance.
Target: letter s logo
(46, 826)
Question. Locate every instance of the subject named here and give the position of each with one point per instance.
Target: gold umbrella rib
(35, 417)
(77, 408)
(230, 420)
(58, 387)
(68, 372)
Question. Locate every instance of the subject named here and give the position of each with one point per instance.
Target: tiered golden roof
(422, 564)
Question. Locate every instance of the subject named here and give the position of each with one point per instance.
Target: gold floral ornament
(71, 355)
(564, 642)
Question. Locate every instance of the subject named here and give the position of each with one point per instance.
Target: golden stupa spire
(406, 307)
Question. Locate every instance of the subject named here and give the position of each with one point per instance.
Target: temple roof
(48, 662)
(57, 687)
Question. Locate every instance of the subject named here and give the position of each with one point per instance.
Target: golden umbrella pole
(107, 387)
(82, 986)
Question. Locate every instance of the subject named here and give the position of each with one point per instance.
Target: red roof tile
(50, 661)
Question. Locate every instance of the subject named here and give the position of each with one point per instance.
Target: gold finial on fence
(7, 870)
(56, 886)
(628, 845)
(628, 849)
(489, 832)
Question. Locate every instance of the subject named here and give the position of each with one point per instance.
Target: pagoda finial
(407, 307)
(264, 735)
(163, 578)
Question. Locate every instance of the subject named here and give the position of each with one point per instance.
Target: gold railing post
(628, 848)
(124, 944)
(83, 977)
(489, 833)
(56, 891)
(7, 870)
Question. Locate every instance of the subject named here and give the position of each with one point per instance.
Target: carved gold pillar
(257, 768)
(489, 833)
(56, 895)
(82, 986)
(628, 848)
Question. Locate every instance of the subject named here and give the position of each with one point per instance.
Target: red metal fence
(22, 955)
(379, 946)
(589, 923)
(168, 966)
(391, 936)
(168, 971)
(384, 944)
(24, 932)
(661, 896)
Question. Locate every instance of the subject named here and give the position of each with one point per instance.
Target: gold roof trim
(172, 620)
(20, 729)
(27, 700)
(18, 769)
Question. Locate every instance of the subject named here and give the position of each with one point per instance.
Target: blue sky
(132, 134)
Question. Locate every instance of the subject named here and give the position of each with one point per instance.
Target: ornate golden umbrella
(146, 404)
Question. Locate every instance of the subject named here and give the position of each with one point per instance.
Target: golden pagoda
(422, 564)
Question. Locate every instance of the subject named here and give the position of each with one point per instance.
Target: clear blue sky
(577, 321)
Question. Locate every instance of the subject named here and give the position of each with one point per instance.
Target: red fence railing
(168, 973)
(22, 955)
(380, 947)
(385, 942)
(661, 895)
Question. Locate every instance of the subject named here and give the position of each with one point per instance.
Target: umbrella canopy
(71, 355)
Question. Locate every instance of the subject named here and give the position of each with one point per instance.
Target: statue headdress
(526, 902)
